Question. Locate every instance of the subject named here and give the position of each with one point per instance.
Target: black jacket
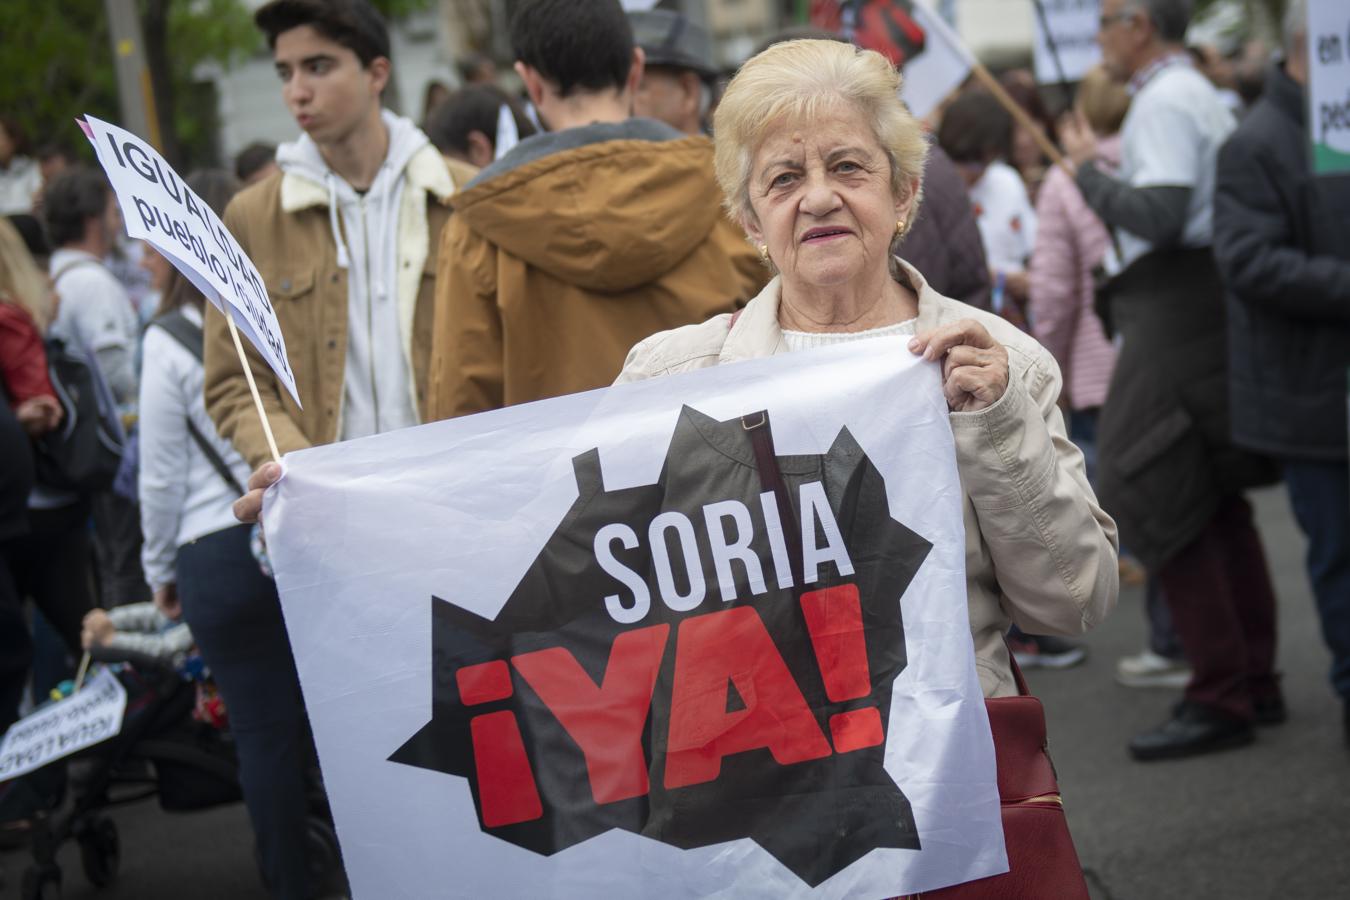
(944, 243)
(1282, 243)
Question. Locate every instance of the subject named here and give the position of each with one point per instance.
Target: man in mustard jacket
(582, 240)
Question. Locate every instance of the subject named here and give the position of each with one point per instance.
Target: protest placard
(1329, 85)
(159, 207)
(1067, 29)
(67, 726)
(701, 635)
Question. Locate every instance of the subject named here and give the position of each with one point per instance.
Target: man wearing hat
(676, 85)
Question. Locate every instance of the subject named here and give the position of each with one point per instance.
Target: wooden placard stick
(79, 676)
(253, 387)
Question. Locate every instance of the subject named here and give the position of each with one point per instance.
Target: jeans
(1320, 495)
(235, 617)
(1162, 638)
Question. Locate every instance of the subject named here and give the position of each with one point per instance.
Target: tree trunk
(155, 29)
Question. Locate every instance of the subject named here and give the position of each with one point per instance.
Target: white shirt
(810, 340)
(1171, 138)
(182, 496)
(95, 313)
(1005, 216)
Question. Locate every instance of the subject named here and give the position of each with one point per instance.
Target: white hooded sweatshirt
(379, 391)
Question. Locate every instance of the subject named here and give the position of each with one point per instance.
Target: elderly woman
(821, 164)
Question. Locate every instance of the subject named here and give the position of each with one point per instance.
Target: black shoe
(1270, 710)
(1192, 730)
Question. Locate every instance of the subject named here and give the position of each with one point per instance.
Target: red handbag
(1042, 862)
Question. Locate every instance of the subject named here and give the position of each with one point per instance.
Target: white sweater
(182, 496)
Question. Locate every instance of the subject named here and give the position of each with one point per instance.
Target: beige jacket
(282, 223)
(1039, 550)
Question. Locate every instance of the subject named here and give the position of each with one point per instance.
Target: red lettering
(506, 788)
(834, 619)
(605, 721)
(733, 646)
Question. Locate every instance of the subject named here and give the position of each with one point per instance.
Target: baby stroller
(162, 751)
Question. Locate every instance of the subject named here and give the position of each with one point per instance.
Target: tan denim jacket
(1039, 550)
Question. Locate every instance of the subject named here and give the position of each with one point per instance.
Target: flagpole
(253, 388)
(1054, 53)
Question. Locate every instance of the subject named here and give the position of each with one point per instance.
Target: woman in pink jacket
(1070, 242)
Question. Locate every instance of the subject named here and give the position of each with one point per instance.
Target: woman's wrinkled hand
(248, 508)
(974, 365)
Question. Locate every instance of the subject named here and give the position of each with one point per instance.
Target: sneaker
(1037, 651)
(1150, 670)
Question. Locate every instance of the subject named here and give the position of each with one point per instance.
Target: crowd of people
(1134, 328)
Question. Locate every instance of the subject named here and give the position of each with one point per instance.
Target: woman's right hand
(248, 508)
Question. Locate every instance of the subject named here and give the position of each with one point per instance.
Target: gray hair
(1295, 24)
(1169, 17)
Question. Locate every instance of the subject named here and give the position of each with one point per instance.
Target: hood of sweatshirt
(607, 207)
(300, 159)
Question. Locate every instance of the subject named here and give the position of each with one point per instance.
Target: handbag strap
(771, 479)
(1018, 677)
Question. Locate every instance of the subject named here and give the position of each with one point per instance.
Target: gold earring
(764, 252)
(900, 226)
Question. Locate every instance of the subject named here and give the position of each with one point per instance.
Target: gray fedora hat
(670, 39)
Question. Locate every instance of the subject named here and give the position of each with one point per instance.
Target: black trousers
(52, 565)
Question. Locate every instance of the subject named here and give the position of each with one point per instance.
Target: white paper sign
(67, 726)
(159, 207)
(598, 646)
(1329, 85)
(1073, 26)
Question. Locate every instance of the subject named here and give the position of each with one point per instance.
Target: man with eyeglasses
(1167, 467)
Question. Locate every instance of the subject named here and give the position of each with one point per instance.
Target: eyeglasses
(1106, 22)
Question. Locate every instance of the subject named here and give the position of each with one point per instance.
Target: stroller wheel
(41, 883)
(100, 850)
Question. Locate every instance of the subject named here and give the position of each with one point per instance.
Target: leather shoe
(1270, 710)
(1192, 730)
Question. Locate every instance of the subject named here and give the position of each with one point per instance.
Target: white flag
(939, 68)
(698, 636)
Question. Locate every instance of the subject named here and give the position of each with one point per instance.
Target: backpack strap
(189, 335)
(183, 330)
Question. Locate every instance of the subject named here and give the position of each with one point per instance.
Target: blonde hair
(801, 80)
(1103, 100)
(21, 281)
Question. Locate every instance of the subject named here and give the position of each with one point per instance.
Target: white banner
(699, 636)
(1329, 85)
(939, 68)
(67, 726)
(1073, 26)
(160, 208)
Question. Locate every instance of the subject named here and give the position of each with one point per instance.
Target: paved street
(1268, 821)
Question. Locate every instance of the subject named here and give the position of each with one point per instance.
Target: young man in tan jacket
(583, 240)
(344, 236)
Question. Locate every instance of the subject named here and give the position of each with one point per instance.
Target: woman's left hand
(974, 365)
